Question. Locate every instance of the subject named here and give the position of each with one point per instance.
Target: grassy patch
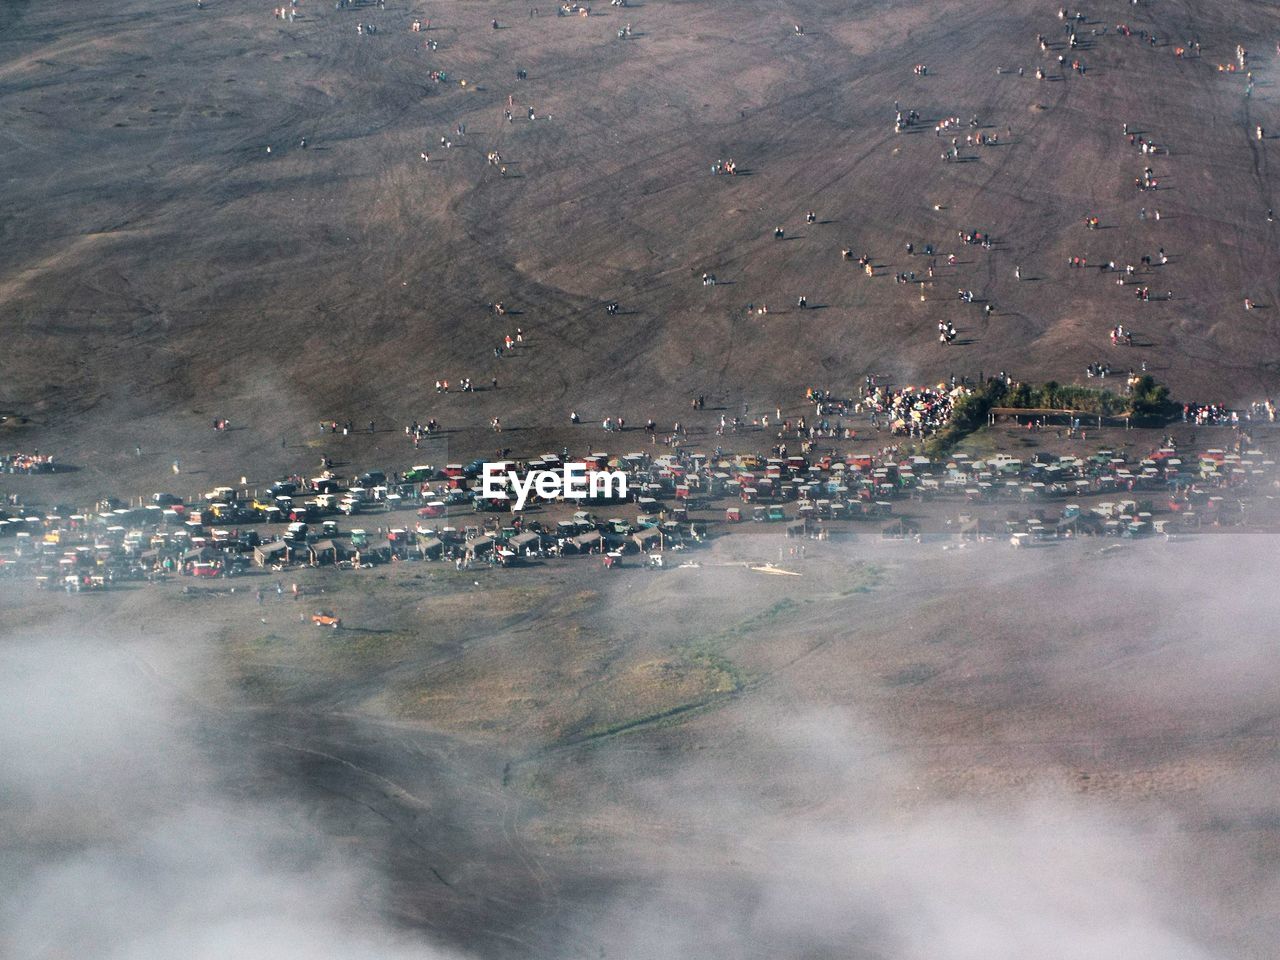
(764, 618)
(982, 444)
(866, 577)
(698, 674)
(289, 665)
(654, 690)
(709, 651)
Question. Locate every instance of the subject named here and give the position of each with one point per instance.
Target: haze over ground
(901, 753)
(943, 755)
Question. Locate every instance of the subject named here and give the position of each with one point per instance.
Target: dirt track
(160, 268)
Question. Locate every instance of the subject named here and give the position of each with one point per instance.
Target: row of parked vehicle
(213, 534)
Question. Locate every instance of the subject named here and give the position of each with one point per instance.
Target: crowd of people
(915, 412)
(1263, 410)
(1209, 414)
(34, 462)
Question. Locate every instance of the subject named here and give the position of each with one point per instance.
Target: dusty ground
(160, 268)
(904, 752)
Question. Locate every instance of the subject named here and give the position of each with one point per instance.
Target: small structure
(371, 552)
(200, 555)
(1051, 415)
(648, 540)
(587, 542)
(325, 552)
(901, 529)
(270, 554)
(477, 547)
(524, 544)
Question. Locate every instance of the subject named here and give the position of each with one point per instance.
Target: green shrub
(1149, 402)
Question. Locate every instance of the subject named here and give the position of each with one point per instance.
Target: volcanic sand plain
(161, 269)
